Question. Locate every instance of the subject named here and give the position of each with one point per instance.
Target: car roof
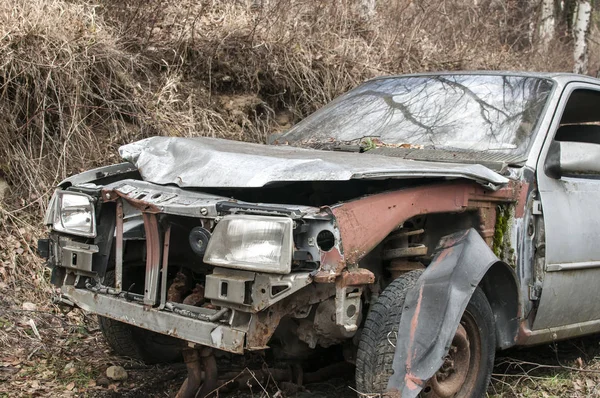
(560, 77)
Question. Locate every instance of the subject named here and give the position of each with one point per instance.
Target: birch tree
(547, 25)
(581, 27)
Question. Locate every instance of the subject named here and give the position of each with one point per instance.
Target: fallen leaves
(28, 306)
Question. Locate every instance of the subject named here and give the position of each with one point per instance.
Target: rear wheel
(467, 367)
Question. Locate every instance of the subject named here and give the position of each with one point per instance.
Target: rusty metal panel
(210, 334)
(164, 269)
(119, 247)
(366, 222)
(151, 198)
(153, 249)
(535, 337)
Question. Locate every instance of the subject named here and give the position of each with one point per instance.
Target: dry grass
(78, 79)
(63, 82)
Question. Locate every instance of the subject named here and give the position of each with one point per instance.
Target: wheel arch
(501, 288)
(434, 306)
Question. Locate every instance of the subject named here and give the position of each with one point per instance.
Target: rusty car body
(469, 181)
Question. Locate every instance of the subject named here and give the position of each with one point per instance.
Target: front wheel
(130, 341)
(467, 367)
(144, 345)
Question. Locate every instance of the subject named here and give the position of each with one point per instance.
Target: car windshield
(452, 112)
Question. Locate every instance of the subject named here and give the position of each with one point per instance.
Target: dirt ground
(49, 353)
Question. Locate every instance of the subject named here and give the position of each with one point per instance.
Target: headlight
(72, 213)
(252, 243)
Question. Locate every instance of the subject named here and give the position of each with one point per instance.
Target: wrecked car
(421, 222)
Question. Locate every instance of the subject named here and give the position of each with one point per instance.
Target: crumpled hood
(210, 162)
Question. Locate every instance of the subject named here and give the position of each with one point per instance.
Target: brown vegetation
(78, 79)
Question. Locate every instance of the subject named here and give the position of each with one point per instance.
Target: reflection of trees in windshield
(469, 112)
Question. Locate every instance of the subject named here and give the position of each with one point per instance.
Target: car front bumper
(208, 333)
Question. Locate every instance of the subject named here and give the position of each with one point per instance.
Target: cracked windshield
(457, 113)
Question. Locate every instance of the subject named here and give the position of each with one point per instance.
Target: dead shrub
(79, 79)
(64, 84)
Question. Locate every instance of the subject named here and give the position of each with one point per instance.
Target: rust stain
(412, 382)
(178, 288)
(487, 226)
(332, 261)
(109, 195)
(441, 256)
(524, 332)
(153, 246)
(152, 241)
(365, 222)
(522, 200)
(357, 277)
(119, 247)
(324, 277)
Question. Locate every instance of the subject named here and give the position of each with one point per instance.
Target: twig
(366, 395)
(34, 328)
(259, 384)
(555, 349)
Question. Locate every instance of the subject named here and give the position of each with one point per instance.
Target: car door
(571, 213)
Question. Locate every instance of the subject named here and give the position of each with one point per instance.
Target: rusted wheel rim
(458, 375)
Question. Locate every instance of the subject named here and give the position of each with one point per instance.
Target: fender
(434, 307)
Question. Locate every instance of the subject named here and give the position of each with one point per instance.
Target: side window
(575, 149)
(580, 121)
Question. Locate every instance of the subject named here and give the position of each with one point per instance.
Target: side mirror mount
(572, 159)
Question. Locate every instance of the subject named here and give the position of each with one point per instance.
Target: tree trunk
(581, 27)
(547, 24)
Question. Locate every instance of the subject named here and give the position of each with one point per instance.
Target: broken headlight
(253, 243)
(72, 213)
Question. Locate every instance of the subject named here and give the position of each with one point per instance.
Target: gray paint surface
(210, 162)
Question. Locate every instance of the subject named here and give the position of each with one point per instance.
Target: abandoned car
(421, 222)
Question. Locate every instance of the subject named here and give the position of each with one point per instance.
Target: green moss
(4, 323)
(501, 230)
(368, 144)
